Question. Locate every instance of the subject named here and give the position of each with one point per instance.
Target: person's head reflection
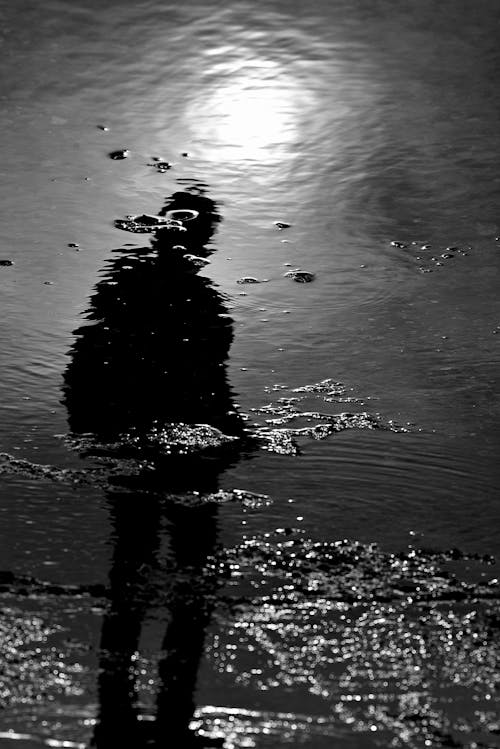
(154, 352)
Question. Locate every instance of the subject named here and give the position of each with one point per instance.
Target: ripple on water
(404, 645)
(33, 667)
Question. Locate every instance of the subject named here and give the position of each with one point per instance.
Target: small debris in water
(185, 154)
(327, 387)
(74, 245)
(123, 154)
(161, 166)
(161, 439)
(401, 245)
(104, 128)
(282, 225)
(447, 255)
(426, 247)
(6, 263)
(48, 283)
(248, 279)
(252, 500)
(300, 276)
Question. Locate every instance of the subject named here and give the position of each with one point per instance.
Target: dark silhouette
(153, 353)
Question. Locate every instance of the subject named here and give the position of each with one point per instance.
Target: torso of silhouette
(153, 352)
(154, 349)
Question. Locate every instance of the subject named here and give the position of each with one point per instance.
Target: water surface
(359, 124)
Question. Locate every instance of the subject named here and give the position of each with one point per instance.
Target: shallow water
(359, 124)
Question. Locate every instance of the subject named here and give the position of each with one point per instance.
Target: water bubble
(182, 214)
(248, 279)
(300, 276)
(401, 245)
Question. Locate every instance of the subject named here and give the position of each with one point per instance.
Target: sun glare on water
(250, 117)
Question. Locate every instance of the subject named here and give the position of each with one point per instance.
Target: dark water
(359, 124)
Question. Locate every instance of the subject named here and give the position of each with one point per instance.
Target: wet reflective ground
(237, 508)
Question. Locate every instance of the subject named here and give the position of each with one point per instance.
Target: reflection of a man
(154, 353)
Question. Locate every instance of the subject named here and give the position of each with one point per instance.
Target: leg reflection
(194, 537)
(136, 541)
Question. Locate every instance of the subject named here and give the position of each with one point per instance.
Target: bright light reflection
(250, 117)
